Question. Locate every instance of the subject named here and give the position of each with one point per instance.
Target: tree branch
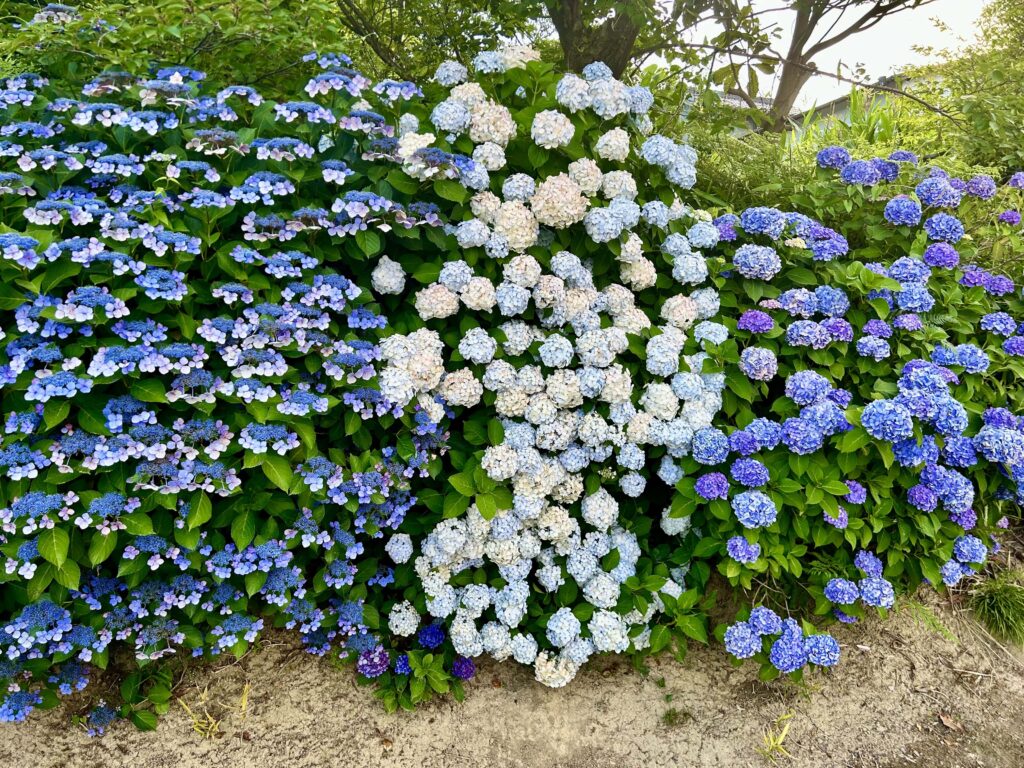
(814, 71)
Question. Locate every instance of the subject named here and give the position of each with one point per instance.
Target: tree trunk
(791, 82)
(611, 42)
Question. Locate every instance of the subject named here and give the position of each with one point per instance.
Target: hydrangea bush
(430, 372)
(193, 447)
(874, 389)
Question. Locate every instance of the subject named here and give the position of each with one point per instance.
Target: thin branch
(877, 13)
(775, 59)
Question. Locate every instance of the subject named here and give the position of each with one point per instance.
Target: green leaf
(454, 505)
(660, 638)
(278, 471)
(200, 510)
(56, 412)
(53, 545)
(40, 581)
(426, 272)
(693, 627)
(463, 484)
(137, 524)
(144, 720)
(369, 242)
(854, 440)
(68, 574)
(243, 528)
(836, 488)
(254, 582)
(802, 276)
(353, 423)
(487, 505)
(149, 391)
(101, 547)
(451, 190)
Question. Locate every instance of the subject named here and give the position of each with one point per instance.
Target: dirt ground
(924, 688)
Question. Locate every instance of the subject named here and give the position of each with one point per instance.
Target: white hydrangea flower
(499, 462)
(477, 346)
(472, 233)
(403, 620)
(524, 648)
(408, 123)
(573, 93)
(388, 277)
(490, 156)
(411, 142)
(450, 73)
(674, 526)
(436, 301)
(563, 360)
(610, 98)
(399, 548)
(515, 56)
(522, 270)
(551, 129)
(679, 311)
(516, 223)
(587, 174)
(512, 403)
(608, 632)
(491, 122)
(413, 364)
(499, 376)
(461, 388)
(554, 671)
(601, 510)
(641, 274)
(613, 145)
(660, 401)
(468, 94)
(484, 206)
(559, 202)
(619, 184)
(479, 294)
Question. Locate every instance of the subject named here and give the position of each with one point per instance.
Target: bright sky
(887, 47)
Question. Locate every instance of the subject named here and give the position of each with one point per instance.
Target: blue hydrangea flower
(887, 420)
(710, 446)
(877, 592)
(741, 641)
(788, 653)
(764, 621)
(754, 509)
(862, 172)
(944, 228)
(833, 157)
(822, 650)
(842, 591)
(742, 551)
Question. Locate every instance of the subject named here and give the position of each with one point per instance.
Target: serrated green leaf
(278, 471)
(53, 545)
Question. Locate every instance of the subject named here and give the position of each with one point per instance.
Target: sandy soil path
(904, 695)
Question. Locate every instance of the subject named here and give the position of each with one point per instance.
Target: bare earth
(904, 695)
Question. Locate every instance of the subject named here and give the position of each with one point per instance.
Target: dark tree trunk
(611, 41)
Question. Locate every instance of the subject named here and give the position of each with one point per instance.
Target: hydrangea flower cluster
(542, 368)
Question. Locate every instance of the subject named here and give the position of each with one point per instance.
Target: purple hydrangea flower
(713, 485)
(742, 551)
